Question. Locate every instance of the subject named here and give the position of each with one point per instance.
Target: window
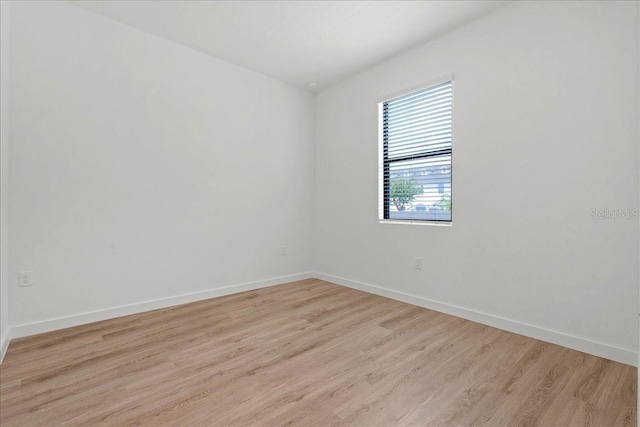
(415, 155)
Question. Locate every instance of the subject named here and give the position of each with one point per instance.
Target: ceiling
(298, 42)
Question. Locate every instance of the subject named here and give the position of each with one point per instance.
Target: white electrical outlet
(283, 250)
(25, 278)
(418, 263)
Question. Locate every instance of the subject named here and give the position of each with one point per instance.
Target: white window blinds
(416, 150)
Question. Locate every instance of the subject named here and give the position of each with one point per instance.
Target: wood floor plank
(306, 353)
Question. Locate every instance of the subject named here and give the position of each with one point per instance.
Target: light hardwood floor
(306, 353)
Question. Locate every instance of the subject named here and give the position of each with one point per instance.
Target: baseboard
(622, 355)
(4, 343)
(607, 351)
(125, 310)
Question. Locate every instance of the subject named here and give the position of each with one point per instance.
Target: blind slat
(425, 103)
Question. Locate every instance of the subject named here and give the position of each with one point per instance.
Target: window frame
(384, 163)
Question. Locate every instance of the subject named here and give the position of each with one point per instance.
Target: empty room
(319, 213)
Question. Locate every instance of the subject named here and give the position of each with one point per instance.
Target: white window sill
(409, 222)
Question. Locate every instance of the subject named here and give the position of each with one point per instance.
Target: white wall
(545, 129)
(4, 177)
(142, 170)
